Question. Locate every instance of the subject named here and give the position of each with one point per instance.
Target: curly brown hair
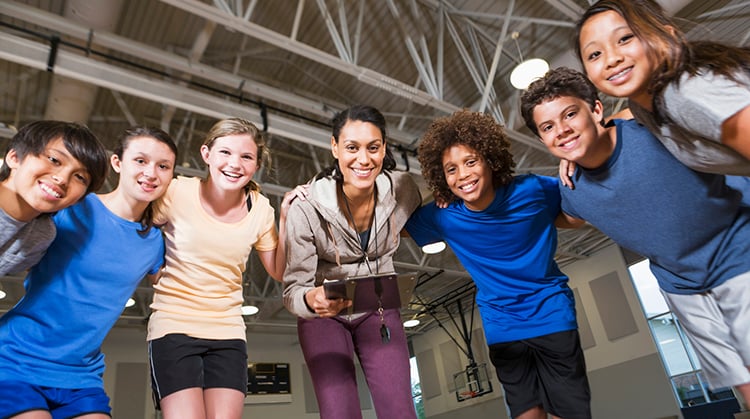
(472, 129)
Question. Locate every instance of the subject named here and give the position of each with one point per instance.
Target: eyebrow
(573, 106)
(616, 29)
(357, 140)
(64, 151)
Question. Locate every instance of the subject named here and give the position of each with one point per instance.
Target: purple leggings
(329, 345)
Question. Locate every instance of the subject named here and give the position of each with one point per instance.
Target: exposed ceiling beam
(568, 8)
(173, 61)
(284, 42)
(184, 65)
(176, 62)
(34, 54)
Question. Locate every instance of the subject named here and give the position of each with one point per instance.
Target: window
(416, 388)
(682, 366)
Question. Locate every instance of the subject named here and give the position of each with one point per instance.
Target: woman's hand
(322, 306)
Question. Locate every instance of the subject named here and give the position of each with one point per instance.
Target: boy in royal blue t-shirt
(502, 230)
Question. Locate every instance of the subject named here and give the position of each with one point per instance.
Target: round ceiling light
(433, 248)
(411, 323)
(249, 310)
(528, 71)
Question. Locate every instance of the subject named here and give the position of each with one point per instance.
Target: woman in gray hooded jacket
(349, 225)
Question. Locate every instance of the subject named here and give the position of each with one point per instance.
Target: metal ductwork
(72, 100)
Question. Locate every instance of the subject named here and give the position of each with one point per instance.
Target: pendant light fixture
(527, 70)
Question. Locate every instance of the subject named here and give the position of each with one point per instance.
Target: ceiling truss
(440, 57)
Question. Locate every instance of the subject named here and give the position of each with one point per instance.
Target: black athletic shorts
(547, 371)
(179, 362)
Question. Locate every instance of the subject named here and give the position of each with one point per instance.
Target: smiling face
(232, 161)
(360, 151)
(615, 60)
(571, 130)
(47, 182)
(146, 168)
(468, 176)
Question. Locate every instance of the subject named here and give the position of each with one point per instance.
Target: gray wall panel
(613, 307)
(584, 327)
(428, 376)
(451, 362)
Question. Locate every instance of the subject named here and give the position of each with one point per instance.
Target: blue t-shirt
(742, 185)
(74, 296)
(689, 224)
(508, 249)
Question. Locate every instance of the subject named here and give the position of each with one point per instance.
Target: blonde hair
(235, 126)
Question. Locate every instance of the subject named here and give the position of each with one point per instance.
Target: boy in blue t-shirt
(502, 230)
(48, 166)
(692, 227)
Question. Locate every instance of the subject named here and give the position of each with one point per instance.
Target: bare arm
(154, 278)
(275, 260)
(734, 132)
(564, 220)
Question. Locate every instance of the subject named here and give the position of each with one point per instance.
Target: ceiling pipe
(73, 100)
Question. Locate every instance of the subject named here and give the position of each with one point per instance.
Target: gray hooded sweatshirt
(321, 244)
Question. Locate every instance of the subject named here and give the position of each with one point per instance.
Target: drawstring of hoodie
(335, 245)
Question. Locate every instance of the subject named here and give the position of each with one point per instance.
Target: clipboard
(371, 292)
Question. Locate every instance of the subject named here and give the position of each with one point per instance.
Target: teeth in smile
(467, 186)
(566, 143)
(232, 175)
(50, 191)
(361, 171)
(618, 75)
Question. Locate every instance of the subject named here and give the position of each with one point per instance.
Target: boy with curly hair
(502, 229)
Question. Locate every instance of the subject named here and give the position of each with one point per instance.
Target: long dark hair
(667, 45)
(361, 113)
(123, 141)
